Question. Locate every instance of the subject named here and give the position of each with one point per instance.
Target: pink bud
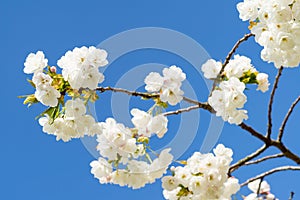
(53, 69)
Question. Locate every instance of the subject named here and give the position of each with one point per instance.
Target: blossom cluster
(74, 123)
(80, 67)
(123, 146)
(45, 92)
(203, 177)
(228, 98)
(136, 175)
(167, 85)
(276, 25)
(260, 191)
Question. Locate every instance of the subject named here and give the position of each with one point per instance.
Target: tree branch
(255, 133)
(287, 153)
(279, 155)
(272, 171)
(234, 48)
(282, 127)
(292, 196)
(230, 54)
(268, 142)
(176, 112)
(132, 93)
(269, 132)
(247, 158)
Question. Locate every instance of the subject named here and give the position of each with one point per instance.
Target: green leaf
(30, 99)
(31, 82)
(52, 112)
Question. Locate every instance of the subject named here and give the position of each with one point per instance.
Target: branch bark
(268, 141)
(229, 56)
(247, 158)
(282, 127)
(279, 155)
(275, 86)
(272, 171)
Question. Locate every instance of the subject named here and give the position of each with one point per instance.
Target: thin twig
(269, 132)
(234, 48)
(272, 171)
(241, 162)
(279, 155)
(259, 186)
(228, 57)
(282, 127)
(255, 133)
(291, 196)
(287, 153)
(132, 93)
(176, 112)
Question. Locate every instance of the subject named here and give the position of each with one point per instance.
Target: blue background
(35, 166)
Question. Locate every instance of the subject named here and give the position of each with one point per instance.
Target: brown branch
(287, 153)
(234, 48)
(259, 186)
(228, 57)
(255, 133)
(291, 196)
(269, 132)
(179, 111)
(272, 171)
(279, 155)
(268, 142)
(247, 158)
(132, 93)
(282, 127)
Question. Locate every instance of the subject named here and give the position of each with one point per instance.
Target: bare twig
(279, 155)
(287, 153)
(234, 48)
(291, 196)
(176, 112)
(269, 132)
(228, 57)
(255, 133)
(132, 93)
(282, 127)
(272, 171)
(259, 186)
(247, 158)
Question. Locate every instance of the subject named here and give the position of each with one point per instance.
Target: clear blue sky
(34, 166)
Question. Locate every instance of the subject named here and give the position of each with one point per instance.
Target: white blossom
(263, 82)
(168, 86)
(75, 108)
(47, 95)
(211, 69)
(40, 79)
(154, 82)
(228, 99)
(248, 9)
(260, 191)
(147, 124)
(238, 66)
(116, 140)
(101, 169)
(35, 63)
